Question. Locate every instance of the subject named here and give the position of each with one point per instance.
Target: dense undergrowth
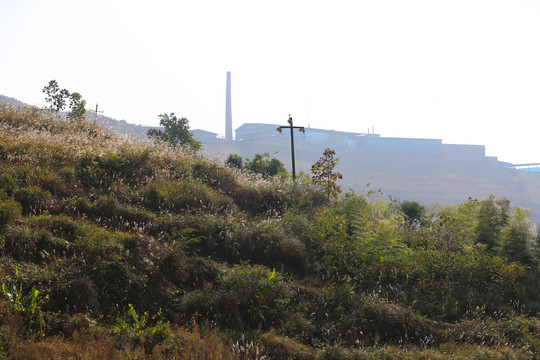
(112, 248)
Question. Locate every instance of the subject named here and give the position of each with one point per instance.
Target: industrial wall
(464, 153)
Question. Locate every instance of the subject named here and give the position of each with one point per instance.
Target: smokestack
(228, 111)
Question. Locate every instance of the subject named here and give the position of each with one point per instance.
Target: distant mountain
(6, 100)
(118, 127)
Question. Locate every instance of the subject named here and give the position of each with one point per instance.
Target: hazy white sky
(464, 71)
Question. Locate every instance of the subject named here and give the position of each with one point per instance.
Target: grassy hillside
(112, 248)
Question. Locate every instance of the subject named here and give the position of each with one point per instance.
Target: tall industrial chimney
(228, 111)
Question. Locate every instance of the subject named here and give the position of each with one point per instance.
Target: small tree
(324, 175)
(234, 160)
(55, 96)
(176, 132)
(77, 104)
(518, 239)
(492, 217)
(262, 164)
(412, 211)
(58, 98)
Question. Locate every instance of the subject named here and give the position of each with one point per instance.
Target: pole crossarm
(96, 112)
(291, 127)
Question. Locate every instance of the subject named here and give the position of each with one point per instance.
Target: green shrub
(217, 177)
(448, 284)
(142, 329)
(126, 163)
(184, 195)
(233, 239)
(32, 199)
(73, 290)
(108, 266)
(91, 175)
(53, 183)
(252, 296)
(28, 306)
(334, 352)
(246, 297)
(10, 210)
(35, 245)
(259, 198)
(265, 242)
(59, 225)
(341, 315)
(187, 273)
(8, 183)
(198, 306)
(109, 211)
(3, 153)
(305, 197)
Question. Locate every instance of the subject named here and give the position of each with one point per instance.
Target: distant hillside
(11, 101)
(119, 127)
(403, 175)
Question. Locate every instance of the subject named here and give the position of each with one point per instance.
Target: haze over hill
(406, 175)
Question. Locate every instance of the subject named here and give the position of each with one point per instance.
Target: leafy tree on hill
(176, 131)
(493, 215)
(260, 164)
(412, 211)
(518, 240)
(77, 104)
(58, 98)
(324, 174)
(235, 160)
(55, 96)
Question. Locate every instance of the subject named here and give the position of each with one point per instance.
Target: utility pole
(95, 113)
(291, 127)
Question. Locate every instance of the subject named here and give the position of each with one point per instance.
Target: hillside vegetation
(114, 248)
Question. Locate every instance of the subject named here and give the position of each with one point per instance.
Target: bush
(341, 315)
(217, 177)
(187, 273)
(265, 242)
(184, 195)
(111, 269)
(8, 183)
(73, 291)
(35, 245)
(128, 164)
(252, 296)
(10, 210)
(52, 182)
(141, 329)
(246, 297)
(32, 200)
(260, 197)
(60, 226)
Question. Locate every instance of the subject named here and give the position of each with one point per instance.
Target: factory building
(367, 143)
